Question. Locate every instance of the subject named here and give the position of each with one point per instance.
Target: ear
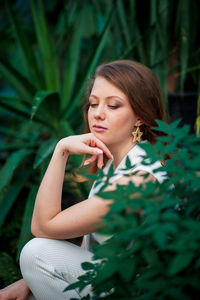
(138, 122)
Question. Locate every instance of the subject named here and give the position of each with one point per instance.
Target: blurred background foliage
(48, 50)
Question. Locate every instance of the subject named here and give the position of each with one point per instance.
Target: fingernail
(99, 151)
(86, 163)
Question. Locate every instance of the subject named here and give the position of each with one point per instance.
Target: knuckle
(92, 135)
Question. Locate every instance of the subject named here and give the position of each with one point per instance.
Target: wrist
(61, 150)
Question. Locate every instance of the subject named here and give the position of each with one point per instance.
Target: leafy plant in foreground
(153, 252)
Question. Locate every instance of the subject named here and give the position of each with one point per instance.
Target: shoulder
(143, 163)
(138, 163)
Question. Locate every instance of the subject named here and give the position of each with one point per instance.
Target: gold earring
(137, 135)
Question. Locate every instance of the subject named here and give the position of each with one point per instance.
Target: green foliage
(8, 268)
(153, 251)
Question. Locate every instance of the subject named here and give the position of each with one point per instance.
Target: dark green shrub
(153, 254)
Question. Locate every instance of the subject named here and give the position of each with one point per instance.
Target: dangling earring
(137, 135)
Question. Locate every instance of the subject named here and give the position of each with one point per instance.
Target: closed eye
(93, 104)
(113, 106)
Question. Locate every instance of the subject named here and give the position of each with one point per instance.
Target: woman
(123, 102)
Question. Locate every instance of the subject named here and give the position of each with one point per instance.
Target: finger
(103, 147)
(92, 150)
(90, 160)
(100, 161)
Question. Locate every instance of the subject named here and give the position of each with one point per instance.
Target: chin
(101, 137)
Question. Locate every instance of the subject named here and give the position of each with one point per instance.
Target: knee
(30, 255)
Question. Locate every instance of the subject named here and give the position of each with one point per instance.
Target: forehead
(103, 88)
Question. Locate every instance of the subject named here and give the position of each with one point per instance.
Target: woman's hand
(85, 144)
(16, 291)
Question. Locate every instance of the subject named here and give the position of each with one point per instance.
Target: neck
(120, 151)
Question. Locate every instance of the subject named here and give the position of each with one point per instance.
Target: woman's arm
(48, 219)
(80, 219)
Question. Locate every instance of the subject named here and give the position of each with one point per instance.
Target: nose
(100, 112)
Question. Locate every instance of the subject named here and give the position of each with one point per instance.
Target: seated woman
(123, 102)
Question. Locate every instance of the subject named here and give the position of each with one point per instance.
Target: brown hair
(141, 87)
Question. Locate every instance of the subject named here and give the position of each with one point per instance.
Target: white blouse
(136, 159)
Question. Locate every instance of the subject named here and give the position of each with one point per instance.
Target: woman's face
(110, 115)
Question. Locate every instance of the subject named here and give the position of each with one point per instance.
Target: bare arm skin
(15, 291)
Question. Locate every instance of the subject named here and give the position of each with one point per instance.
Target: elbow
(36, 231)
(40, 232)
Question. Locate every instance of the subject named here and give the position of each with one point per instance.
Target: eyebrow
(109, 97)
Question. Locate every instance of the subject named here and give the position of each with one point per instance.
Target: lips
(99, 128)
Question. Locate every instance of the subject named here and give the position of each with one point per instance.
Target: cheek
(89, 117)
(125, 122)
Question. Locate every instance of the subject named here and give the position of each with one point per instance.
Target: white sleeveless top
(135, 159)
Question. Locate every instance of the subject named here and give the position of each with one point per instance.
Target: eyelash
(110, 106)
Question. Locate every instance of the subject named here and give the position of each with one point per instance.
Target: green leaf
(12, 192)
(175, 124)
(160, 238)
(184, 39)
(92, 64)
(17, 81)
(198, 125)
(137, 37)
(9, 271)
(72, 286)
(150, 256)
(12, 105)
(27, 52)
(164, 127)
(46, 47)
(126, 269)
(72, 61)
(65, 128)
(87, 266)
(47, 104)
(107, 271)
(179, 263)
(25, 233)
(123, 21)
(12, 132)
(44, 151)
(11, 164)
(38, 99)
(18, 146)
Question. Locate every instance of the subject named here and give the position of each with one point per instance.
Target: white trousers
(49, 266)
